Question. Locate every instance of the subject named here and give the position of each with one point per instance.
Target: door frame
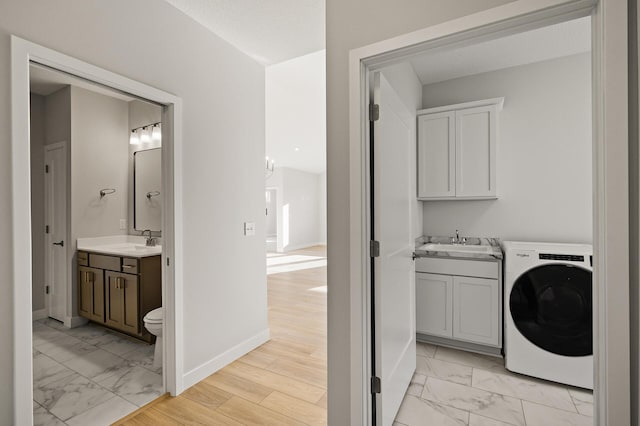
(23, 52)
(610, 181)
(47, 243)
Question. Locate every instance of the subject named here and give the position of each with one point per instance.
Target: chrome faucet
(457, 239)
(151, 242)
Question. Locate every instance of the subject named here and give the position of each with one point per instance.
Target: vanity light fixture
(146, 134)
(134, 139)
(144, 137)
(156, 133)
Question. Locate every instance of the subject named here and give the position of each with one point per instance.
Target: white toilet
(153, 324)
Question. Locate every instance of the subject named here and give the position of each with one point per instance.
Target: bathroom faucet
(457, 239)
(151, 242)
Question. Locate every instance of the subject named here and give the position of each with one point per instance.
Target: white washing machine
(548, 311)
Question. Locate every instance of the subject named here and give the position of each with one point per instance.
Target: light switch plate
(249, 228)
(123, 223)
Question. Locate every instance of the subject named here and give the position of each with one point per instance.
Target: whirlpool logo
(523, 255)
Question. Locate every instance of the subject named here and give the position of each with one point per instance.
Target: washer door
(551, 306)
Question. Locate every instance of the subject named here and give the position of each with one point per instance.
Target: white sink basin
(457, 248)
(134, 247)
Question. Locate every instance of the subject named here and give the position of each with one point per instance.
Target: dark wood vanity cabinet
(118, 291)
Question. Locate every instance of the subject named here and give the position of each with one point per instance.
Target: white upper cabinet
(457, 151)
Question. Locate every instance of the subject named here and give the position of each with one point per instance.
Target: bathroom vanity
(459, 293)
(119, 282)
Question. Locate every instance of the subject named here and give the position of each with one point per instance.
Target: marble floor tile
(415, 411)
(93, 334)
(143, 358)
(425, 349)
(97, 364)
(50, 322)
(541, 415)
(449, 371)
(46, 370)
(43, 335)
(66, 347)
(478, 401)
(583, 400)
(41, 417)
(416, 385)
(476, 420)
(121, 346)
(526, 388)
(471, 359)
(137, 385)
(104, 414)
(70, 396)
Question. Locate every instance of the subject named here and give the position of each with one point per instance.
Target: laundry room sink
(457, 248)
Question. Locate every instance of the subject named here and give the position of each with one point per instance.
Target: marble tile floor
(453, 387)
(89, 375)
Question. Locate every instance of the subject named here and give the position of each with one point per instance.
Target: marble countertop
(492, 251)
(119, 245)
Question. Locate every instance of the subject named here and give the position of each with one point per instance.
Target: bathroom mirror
(147, 185)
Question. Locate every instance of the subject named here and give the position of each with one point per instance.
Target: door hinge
(46, 168)
(376, 385)
(374, 112)
(374, 248)
(46, 229)
(46, 289)
(168, 263)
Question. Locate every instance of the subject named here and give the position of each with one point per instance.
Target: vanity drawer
(83, 258)
(468, 268)
(129, 265)
(101, 261)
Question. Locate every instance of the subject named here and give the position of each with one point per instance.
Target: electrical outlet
(249, 228)
(123, 223)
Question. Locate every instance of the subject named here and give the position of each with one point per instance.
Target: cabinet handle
(128, 266)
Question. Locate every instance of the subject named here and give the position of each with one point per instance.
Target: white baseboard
(73, 322)
(302, 246)
(39, 314)
(208, 368)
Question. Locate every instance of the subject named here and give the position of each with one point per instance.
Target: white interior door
(56, 243)
(394, 271)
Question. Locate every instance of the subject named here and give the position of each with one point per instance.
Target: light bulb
(156, 134)
(144, 138)
(134, 139)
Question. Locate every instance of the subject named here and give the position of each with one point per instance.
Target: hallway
(282, 382)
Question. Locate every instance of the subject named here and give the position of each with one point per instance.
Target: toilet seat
(154, 317)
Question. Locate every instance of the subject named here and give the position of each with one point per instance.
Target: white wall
(543, 154)
(223, 132)
(296, 113)
(349, 25)
(407, 85)
(299, 209)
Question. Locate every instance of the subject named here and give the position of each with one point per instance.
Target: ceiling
(270, 31)
(555, 41)
(44, 81)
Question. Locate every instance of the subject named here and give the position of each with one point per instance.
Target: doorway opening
(97, 283)
(366, 63)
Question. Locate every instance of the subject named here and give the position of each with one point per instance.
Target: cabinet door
(477, 310)
(476, 152)
(122, 301)
(91, 293)
(434, 304)
(436, 155)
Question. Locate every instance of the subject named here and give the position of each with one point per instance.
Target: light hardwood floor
(284, 381)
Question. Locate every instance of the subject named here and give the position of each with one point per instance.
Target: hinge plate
(374, 248)
(46, 289)
(46, 168)
(46, 229)
(168, 262)
(374, 112)
(376, 385)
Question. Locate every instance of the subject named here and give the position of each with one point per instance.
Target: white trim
(208, 368)
(22, 52)
(302, 246)
(39, 314)
(498, 102)
(611, 322)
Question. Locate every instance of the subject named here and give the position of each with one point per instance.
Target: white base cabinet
(460, 307)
